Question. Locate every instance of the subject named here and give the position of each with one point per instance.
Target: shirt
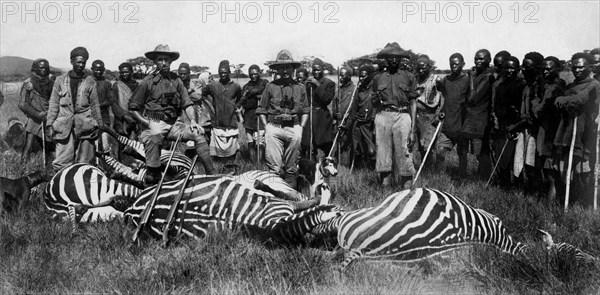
(396, 89)
(455, 91)
(225, 98)
(274, 94)
(430, 97)
(150, 94)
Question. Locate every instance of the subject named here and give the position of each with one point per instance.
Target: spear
(570, 164)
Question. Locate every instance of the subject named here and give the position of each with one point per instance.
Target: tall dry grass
(41, 255)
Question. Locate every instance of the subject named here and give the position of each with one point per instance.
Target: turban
(368, 68)
(80, 51)
(98, 64)
(184, 65)
(224, 64)
(302, 70)
(204, 78)
(37, 61)
(318, 62)
(125, 65)
(254, 67)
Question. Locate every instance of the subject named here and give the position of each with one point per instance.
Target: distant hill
(14, 68)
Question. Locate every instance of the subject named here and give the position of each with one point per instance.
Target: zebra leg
(72, 218)
(303, 205)
(349, 257)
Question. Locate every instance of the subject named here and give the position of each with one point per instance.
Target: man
(156, 104)
(428, 105)
(394, 97)
(476, 116)
(579, 101)
(361, 119)
(184, 74)
(302, 75)
(545, 112)
(105, 99)
(35, 96)
(506, 111)
(1, 98)
(595, 53)
(74, 114)
(526, 151)
(342, 103)
(283, 110)
(455, 89)
(322, 91)
(498, 61)
(226, 95)
(122, 90)
(252, 94)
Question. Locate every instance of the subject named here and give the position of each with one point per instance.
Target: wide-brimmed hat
(162, 49)
(284, 57)
(392, 52)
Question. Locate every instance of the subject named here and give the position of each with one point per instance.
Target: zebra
(416, 224)
(76, 188)
(565, 251)
(177, 169)
(220, 202)
(270, 182)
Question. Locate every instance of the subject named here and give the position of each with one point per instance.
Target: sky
(252, 32)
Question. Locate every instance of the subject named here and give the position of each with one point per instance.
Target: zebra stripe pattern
(222, 203)
(567, 251)
(416, 224)
(83, 185)
(277, 186)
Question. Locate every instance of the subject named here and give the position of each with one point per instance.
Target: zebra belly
(213, 202)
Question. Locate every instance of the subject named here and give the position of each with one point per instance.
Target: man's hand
(412, 139)
(42, 116)
(196, 128)
(50, 132)
(313, 81)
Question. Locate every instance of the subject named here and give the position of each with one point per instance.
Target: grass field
(41, 255)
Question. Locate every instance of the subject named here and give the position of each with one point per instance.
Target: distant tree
(198, 69)
(369, 58)
(237, 71)
(142, 66)
(306, 62)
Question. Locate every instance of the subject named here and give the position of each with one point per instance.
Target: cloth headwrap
(37, 61)
(319, 62)
(125, 65)
(184, 65)
(368, 68)
(348, 69)
(254, 67)
(224, 64)
(80, 51)
(303, 70)
(97, 64)
(203, 78)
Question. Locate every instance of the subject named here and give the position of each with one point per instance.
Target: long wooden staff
(570, 164)
(597, 166)
(257, 140)
(437, 130)
(346, 114)
(497, 162)
(145, 216)
(44, 142)
(310, 149)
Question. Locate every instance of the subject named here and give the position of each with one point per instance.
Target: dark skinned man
(477, 116)
(122, 90)
(579, 101)
(252, 93)
(74, 114)
(35, 97)
(361, 120)
(455, 89)
(226, 95)
(428, 106)
(156, 104)
(545, 113)
(301, 75)
(105, 99)
(394, 97)
(283, 110)
(323, 91)
(341, 105)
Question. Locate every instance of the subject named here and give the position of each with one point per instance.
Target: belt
(281, 122)
(158, 116)
(394, 109)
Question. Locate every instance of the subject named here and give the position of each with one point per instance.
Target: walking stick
(257, 140)
(597, 167)
(44, 142)
(497, 162)
(570, 164)
(437, 130)
(346, 114)
(337, 107)
(310, 148)
(145, 216)
(169, 221)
